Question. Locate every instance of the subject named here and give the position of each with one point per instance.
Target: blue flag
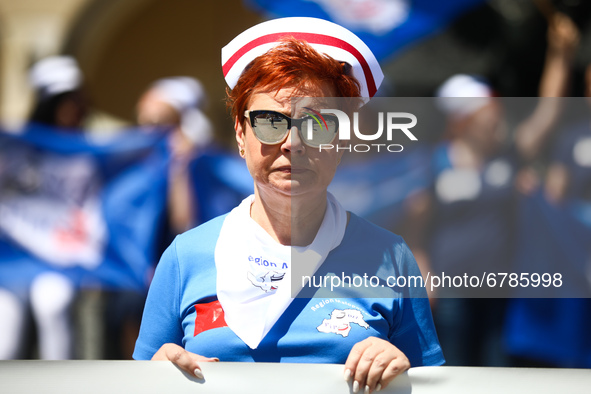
(221, 181)
(87, 209)
(386, 26)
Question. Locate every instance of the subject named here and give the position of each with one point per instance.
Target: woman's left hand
(373, 363)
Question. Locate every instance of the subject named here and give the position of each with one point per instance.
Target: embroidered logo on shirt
(340, 322)
(209, 316)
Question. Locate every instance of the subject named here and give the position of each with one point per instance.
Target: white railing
(148, 377)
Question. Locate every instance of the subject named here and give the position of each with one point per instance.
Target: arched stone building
(121, 45)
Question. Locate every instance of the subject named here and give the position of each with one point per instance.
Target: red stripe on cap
(311, 38)
(209, 316)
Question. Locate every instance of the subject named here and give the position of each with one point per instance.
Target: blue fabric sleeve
(414, 331)
(161, 321)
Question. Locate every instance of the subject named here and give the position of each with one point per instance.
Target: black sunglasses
(272, 127)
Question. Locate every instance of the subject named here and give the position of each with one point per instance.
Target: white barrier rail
(148, 377)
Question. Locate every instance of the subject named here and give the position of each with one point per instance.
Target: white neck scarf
(254, 271)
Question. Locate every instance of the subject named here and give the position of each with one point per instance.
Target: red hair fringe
(291, 64)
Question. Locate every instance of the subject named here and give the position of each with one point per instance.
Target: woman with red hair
(255, 284)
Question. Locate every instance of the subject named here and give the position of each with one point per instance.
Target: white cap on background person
(55, 74)
(182, 93)
(476, 92)
(187, 96)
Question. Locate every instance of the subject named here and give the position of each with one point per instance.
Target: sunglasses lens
(316, 133)
(270, 127)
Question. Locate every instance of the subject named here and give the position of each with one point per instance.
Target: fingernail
(355, 386)
(379, 387)
(215, 359)
(366, 389)
(198, 373)
(347, 374)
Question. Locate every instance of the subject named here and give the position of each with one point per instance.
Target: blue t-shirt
(182, 304)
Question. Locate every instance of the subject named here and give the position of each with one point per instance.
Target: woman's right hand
(185, 360)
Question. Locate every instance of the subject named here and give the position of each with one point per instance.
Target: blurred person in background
(60, 103)
(172, 105)
(470, 211)
(569, 173)
(177, 103)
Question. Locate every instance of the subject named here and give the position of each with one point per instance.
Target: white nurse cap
(188, 97)
(55, 74)
(463, 85)
(181, 92)
(324, 36)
